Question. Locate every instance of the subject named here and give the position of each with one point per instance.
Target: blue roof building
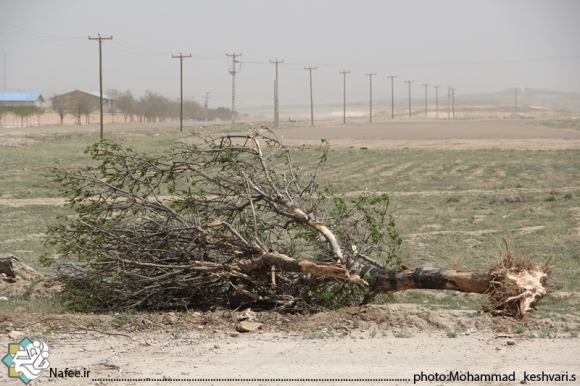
(11, 99)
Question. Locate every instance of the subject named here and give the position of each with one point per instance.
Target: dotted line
(250, 380)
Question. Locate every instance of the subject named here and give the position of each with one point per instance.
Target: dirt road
(389, 346)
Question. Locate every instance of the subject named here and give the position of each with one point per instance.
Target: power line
(344, 94)
(445, 63)
(409, 81)
(34, 35)
(311, 100)
(100, 40)
(181, 57)
(370, 75)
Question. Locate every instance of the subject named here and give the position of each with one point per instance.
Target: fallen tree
(232, 222)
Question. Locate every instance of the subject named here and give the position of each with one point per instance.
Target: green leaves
(144, 224)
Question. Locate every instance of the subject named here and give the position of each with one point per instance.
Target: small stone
(200, 327)
(551, 336)
(511, 342)
(235, 334)
(3, 298)
(216, 346)
(245, 326)
(15, 334)
(169, 319)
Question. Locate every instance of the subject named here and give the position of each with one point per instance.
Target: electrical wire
(32, 34)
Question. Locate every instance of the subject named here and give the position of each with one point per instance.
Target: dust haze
(476, 47)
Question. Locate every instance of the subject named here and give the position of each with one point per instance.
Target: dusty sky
(474, 46)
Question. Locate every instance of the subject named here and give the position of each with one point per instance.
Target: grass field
(452, 206)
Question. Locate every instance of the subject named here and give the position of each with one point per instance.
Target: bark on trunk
(387, 282)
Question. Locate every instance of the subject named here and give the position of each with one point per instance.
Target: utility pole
(100, 39)
(516, 90)
(453, 100)
(436, 101)
(344, 94)
(233, 72)
(4, 78)
(180, 57)
(409, 81)
(426, 84)
(276, 107)
(448, 102)
(392, 96)
(206, 100)
(371, 104)
(311, 100)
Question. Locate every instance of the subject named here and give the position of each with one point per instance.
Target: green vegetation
(562, 124)
(402, 334)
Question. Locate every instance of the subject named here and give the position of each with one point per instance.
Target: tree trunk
(387, 282)
(512, 285)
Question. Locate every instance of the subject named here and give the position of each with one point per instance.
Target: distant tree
(59, 105)
(126, 104)
(39, 111)
(192, 109)
(154, 107)
(80, 104)
(114, 96)
(24, 112)
(220, 113)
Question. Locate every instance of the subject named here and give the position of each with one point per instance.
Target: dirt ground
(433, 134)
(387, 344)
(383, 134)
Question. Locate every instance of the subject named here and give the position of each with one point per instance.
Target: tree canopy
(231, 222)
(185, 229)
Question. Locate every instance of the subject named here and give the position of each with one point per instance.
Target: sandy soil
(393, 342)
